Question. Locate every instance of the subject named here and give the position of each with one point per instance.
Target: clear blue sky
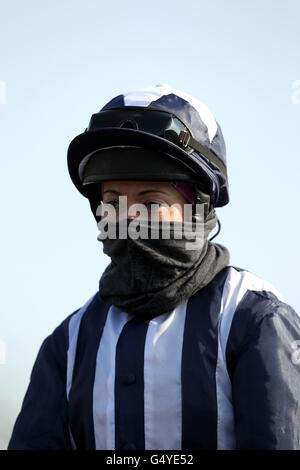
(61, 61)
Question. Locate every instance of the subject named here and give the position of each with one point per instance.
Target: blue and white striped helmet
(160, 119)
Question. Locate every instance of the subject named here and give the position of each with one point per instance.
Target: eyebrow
(111, 191)
(141, 193)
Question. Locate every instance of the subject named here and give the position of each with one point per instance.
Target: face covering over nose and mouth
(150, 277)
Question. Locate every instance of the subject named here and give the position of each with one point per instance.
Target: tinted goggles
(154, 122)
(159, 123)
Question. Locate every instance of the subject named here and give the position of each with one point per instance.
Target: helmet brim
(93, 140)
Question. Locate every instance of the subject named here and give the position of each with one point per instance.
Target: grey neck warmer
(149, 277)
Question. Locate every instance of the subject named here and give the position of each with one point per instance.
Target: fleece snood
(149, 277)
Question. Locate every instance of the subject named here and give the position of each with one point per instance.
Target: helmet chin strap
(204, 198)
(218, 231)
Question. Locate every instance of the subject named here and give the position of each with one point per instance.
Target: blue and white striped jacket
(215, 373)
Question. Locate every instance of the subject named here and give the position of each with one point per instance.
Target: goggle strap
(187, 140)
